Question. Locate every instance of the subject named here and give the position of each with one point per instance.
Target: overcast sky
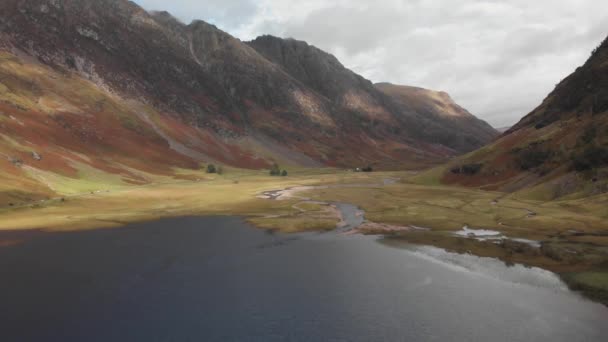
(497, 58)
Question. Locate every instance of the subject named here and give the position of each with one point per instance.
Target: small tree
(275, 170)
(211, 168)
(284, 173)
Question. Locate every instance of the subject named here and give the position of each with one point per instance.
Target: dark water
(217, 279)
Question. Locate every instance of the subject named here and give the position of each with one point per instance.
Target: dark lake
(219, 279)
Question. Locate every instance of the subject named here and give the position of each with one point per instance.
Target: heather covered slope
(98, 93)
(559, 149)
(59, 134)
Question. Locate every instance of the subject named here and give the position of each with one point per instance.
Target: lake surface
(219, 279)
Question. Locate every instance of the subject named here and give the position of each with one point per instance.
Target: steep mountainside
(423, 115)
(440, 117)
(559, 149)
(103, 89)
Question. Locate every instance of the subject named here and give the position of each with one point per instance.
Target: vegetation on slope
(560, 150)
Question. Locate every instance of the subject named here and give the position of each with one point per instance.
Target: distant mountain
(438, 116)
(104, 87)
(559, 149)
(503, 129)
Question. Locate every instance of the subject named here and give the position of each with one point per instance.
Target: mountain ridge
(191, 93)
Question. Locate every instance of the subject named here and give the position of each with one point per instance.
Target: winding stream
(351, 216)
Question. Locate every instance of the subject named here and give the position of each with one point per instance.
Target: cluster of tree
(213, 169)
(275, 170)
(468, 169)
(368, 168)
(532, 158)
(599, 46)
(590, 158)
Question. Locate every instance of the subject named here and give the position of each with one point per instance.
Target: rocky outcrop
(313, 67)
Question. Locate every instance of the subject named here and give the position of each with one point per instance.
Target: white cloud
(498, 59)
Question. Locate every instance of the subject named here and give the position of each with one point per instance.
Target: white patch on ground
(17, 120)
(87, 32)
(468, 232)
(492, 235)
(285, 194)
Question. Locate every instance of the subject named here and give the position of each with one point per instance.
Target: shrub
(589, 135)
(529, 159)
(284, 173)
(275, 170)
(211, 168)
(220, 170)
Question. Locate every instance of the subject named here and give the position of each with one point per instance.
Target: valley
(153, 170)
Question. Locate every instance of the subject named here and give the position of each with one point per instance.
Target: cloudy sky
(497, 58)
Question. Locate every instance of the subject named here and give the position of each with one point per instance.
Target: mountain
(559, 149)
(102, 89)
(503, 129)
(440, 117)
(423, 115)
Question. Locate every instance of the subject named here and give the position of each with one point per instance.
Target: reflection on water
(218, 279)
(488, 267)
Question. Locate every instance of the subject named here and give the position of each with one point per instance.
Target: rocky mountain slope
(438, 116)
(102, 89)
(423, 115)
(559, 149)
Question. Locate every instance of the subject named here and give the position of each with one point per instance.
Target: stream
(351, 216)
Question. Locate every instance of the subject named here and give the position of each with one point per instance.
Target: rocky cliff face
(424, 115)
(194, 93)
(313, 67)
(559, 149)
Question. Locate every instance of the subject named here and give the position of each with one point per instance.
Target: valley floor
(567, 237)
